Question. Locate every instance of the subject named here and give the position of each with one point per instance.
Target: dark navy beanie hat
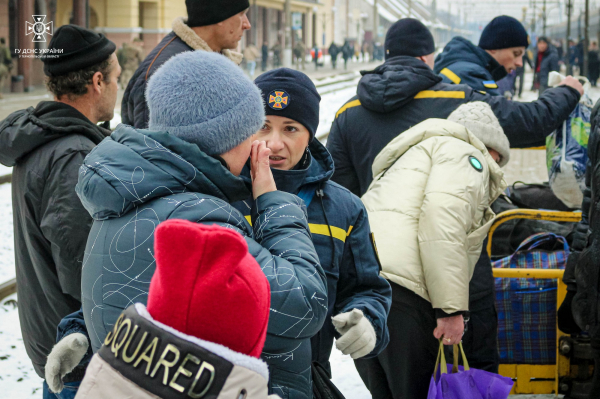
(210, 12)
(81, 48)
(503, 32)
(408, 37)
(291, 94)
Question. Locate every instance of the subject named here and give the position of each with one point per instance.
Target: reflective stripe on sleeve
(351, 104)
(440, 94)
(450, 75)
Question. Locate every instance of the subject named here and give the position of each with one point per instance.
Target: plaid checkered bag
(526, 306)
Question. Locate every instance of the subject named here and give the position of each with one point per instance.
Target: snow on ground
(18, 380)
(17, 377)
(5, 170)
(7, 261)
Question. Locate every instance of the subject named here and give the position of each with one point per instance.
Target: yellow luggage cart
(532, 378)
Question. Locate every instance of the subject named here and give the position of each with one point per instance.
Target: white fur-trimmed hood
(237, 358)
(190, 38)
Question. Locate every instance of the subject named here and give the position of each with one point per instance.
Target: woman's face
(287, 140)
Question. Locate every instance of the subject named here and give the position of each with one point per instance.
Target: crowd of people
(210, 245)
(544, 56)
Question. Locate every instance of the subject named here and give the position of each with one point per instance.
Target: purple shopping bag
(463, 382)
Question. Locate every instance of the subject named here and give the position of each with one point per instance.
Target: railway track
(8, 288)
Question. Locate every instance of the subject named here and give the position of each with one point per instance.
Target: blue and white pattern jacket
(136, 179)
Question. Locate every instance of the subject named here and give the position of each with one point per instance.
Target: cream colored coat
(429, 208)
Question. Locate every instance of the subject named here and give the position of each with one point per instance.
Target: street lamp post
(375, 21)
(567, 58)
(586, 43)
(287, 52)
(544, 18)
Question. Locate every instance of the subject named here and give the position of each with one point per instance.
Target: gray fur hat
(205, 99)
(479, 118)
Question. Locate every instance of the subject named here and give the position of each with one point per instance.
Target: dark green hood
(24, 131)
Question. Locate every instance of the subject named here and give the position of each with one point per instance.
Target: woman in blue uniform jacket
(358, 298)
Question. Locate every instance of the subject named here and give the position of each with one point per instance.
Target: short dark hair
(2, 40)
(74, 84)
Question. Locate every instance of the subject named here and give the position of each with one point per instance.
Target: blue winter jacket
(462, 62)
(136, 179)
(348, 258)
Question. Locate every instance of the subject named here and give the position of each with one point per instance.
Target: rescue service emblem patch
(279, 99)
(476, 164)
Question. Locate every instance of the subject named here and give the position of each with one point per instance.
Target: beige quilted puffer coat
(429, 209)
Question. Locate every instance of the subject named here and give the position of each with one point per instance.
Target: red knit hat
(208, 286)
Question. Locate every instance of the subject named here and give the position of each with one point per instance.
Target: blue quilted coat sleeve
(360, 286)
(288, 258)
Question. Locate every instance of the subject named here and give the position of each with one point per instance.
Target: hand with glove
(358, 335)
(63, 358)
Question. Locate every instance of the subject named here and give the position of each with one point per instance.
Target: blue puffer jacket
(462, 62)
(348, 258)
(136, 179)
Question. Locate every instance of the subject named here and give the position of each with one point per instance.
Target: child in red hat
(203, 330)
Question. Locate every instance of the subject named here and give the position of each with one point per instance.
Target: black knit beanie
(76, 48)
(291, 94)
(409, 37)
(210, 12)
(503, 32)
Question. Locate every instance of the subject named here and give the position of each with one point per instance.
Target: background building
(315, 22)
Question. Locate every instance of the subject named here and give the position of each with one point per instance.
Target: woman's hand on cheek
(262, 178)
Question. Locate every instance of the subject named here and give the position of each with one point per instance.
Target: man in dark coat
(593, 64)
(334, 51)
(580, 309)
(403, 92)
(546, 61)
(521, 73)
(210, 26)
(47, 145)
(500, 51)
(347, 53)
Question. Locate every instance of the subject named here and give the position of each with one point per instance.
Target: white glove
(63, 358)
(358, 335)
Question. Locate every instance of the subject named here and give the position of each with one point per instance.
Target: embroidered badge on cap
(476, 164)
(279, 99)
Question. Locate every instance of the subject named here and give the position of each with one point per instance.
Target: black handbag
(323, 388)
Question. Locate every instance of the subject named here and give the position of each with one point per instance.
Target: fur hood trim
(190, 38)
(239, 359)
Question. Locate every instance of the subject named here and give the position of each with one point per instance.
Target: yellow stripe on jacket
(450, 75)
(351, 104)
(439, 94)
(322, 229)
